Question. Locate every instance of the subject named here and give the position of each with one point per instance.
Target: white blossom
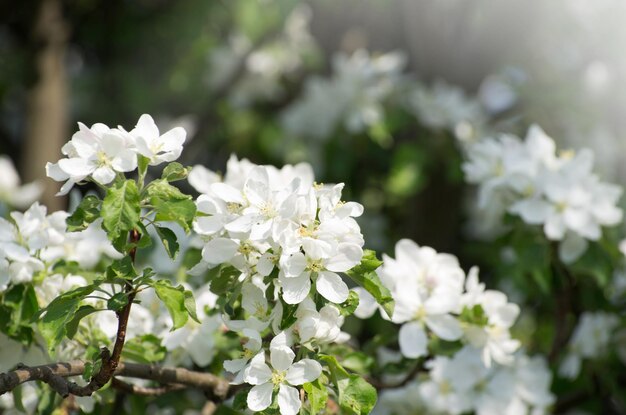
(283, 375)
(157, 147)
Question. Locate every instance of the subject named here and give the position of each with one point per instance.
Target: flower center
(278, 378)
(268, 211)
(420, 314)
(232, 207)
(315, 265)
(156, 147)
(445, 387)
(103, 159)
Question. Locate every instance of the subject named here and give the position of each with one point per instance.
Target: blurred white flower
(12, 192)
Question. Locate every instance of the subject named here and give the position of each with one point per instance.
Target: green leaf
(347, 307)
(60, 313)
(289, 317)
(19, 305)
(81, 313)
(358, 362)
(142, 164)
(171, 204)
(121, 268)
(169, 240)
(190, 305)
(144, 349)
(117, 301)
(88, 371)
(364, 275)
(240, 401)
(175, 301)
(174, 171)
(87, 211)
(224, 279)
(356, 396)
(121, 209)
(474, 315)
(317, 394)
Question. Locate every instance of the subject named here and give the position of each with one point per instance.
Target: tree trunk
(46, 129)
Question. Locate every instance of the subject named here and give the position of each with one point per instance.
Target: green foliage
(72, 325)
(178, 301)
(120, 211)
(169, 240)
(356, 396)
(122, 269)
(223, 279)
(117, 301)
(59, 316)
(170, 204)
(86, 212)
(18, 305)
(144, 349)
(317, 394)
(347, 307)
(174, 172)
(289, 315)
(407, 176)
(595, 263)
(364, 275)
(474, 315)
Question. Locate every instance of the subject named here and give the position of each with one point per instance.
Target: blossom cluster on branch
(265, 268)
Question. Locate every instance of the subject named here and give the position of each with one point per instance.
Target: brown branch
(416, 370)
(55, 375)
(565, 309)
(110, 361)
(142, 390)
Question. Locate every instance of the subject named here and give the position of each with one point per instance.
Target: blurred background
(374, 93)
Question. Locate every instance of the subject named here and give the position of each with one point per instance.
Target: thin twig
(419, 367)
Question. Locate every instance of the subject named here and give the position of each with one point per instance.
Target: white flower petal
(306, 370)
(348, 256)
(281, 357)
(332, 287)
(445, 326)
(288, 400)
(103, 175)
(260, 397)
(295, 290)
(258, 372)
(219, 250)
(413, 341)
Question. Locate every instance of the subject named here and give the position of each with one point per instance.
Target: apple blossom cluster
(32, 241)
(463, 384)
(265, 67)
(262, 221)
(101, 153)
(353, 98)
(590, 340)
(287, 239)
(433, 295)
(526, 178)
(447, 107)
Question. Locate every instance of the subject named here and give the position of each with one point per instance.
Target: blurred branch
(142, 390)
(565, 307)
